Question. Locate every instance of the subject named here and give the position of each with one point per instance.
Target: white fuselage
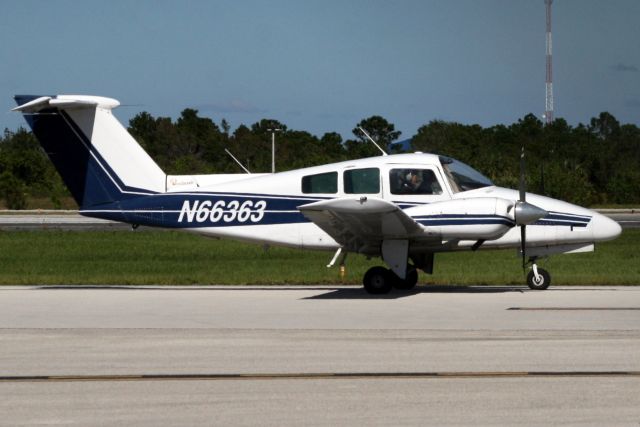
(571, 228)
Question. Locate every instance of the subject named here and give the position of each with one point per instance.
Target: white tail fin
(97, 158)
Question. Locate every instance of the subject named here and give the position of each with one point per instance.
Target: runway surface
(55, 220)
(319, 356)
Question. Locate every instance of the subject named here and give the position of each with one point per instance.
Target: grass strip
(175, 258)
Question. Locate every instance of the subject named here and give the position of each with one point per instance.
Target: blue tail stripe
(70, 157)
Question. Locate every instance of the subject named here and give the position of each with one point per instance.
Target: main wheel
(377, 280)
(409, 282)
(542, 283)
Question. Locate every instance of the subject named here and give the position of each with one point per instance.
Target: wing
(360, 224)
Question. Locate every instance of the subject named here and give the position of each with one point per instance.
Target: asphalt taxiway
(319, 356)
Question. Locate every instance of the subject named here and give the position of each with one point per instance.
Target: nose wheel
(538, 278)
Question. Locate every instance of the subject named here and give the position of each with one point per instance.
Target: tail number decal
(221, 211)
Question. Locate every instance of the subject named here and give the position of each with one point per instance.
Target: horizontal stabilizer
(66, 102)
(35, 105)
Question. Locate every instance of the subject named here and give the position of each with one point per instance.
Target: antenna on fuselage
(237, 161)
(384, 153)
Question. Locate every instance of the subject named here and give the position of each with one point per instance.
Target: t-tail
(98, 160)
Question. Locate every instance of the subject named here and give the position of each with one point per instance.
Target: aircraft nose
(604, 228)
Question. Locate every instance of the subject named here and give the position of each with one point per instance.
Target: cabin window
(413, 181)
(362, 181)
(320, 183)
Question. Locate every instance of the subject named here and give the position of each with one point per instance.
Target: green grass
(173, 258)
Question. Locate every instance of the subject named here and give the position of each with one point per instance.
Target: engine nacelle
(480, 218)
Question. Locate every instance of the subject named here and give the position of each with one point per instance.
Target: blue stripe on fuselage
(564, 219)
(196, 210)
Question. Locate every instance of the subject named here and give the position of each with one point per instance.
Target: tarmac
(119, 355)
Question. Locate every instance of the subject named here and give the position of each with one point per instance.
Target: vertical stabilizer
(97, 158)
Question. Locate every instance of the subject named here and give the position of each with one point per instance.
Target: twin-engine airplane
(403, 208)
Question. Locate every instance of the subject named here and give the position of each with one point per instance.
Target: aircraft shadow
(328, 292)
(359, 293)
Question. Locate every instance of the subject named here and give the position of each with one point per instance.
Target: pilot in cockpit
(412, 181)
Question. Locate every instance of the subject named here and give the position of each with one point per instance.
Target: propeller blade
(525, 213)
(523, 239)
(522, 179)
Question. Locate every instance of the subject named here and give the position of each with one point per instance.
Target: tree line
(593, 164)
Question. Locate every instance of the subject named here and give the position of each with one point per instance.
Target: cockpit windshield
(463, 177)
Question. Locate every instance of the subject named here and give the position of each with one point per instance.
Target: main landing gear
(379, 280)
(538, 278)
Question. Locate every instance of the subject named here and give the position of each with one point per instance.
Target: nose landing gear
(538, 278)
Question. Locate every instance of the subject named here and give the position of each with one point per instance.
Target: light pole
(273, 148)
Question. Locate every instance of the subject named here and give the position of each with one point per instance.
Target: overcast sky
(323, 65)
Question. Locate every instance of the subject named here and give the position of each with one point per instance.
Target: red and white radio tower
(548, 110)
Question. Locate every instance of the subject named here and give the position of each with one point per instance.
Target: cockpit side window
(413, 181)
(362, 181)
(320, 183)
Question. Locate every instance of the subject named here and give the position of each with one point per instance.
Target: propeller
(525, 213)
(522, 187)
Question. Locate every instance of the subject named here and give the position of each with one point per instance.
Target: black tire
(377, 280)
(409, 282)
(542, 284)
